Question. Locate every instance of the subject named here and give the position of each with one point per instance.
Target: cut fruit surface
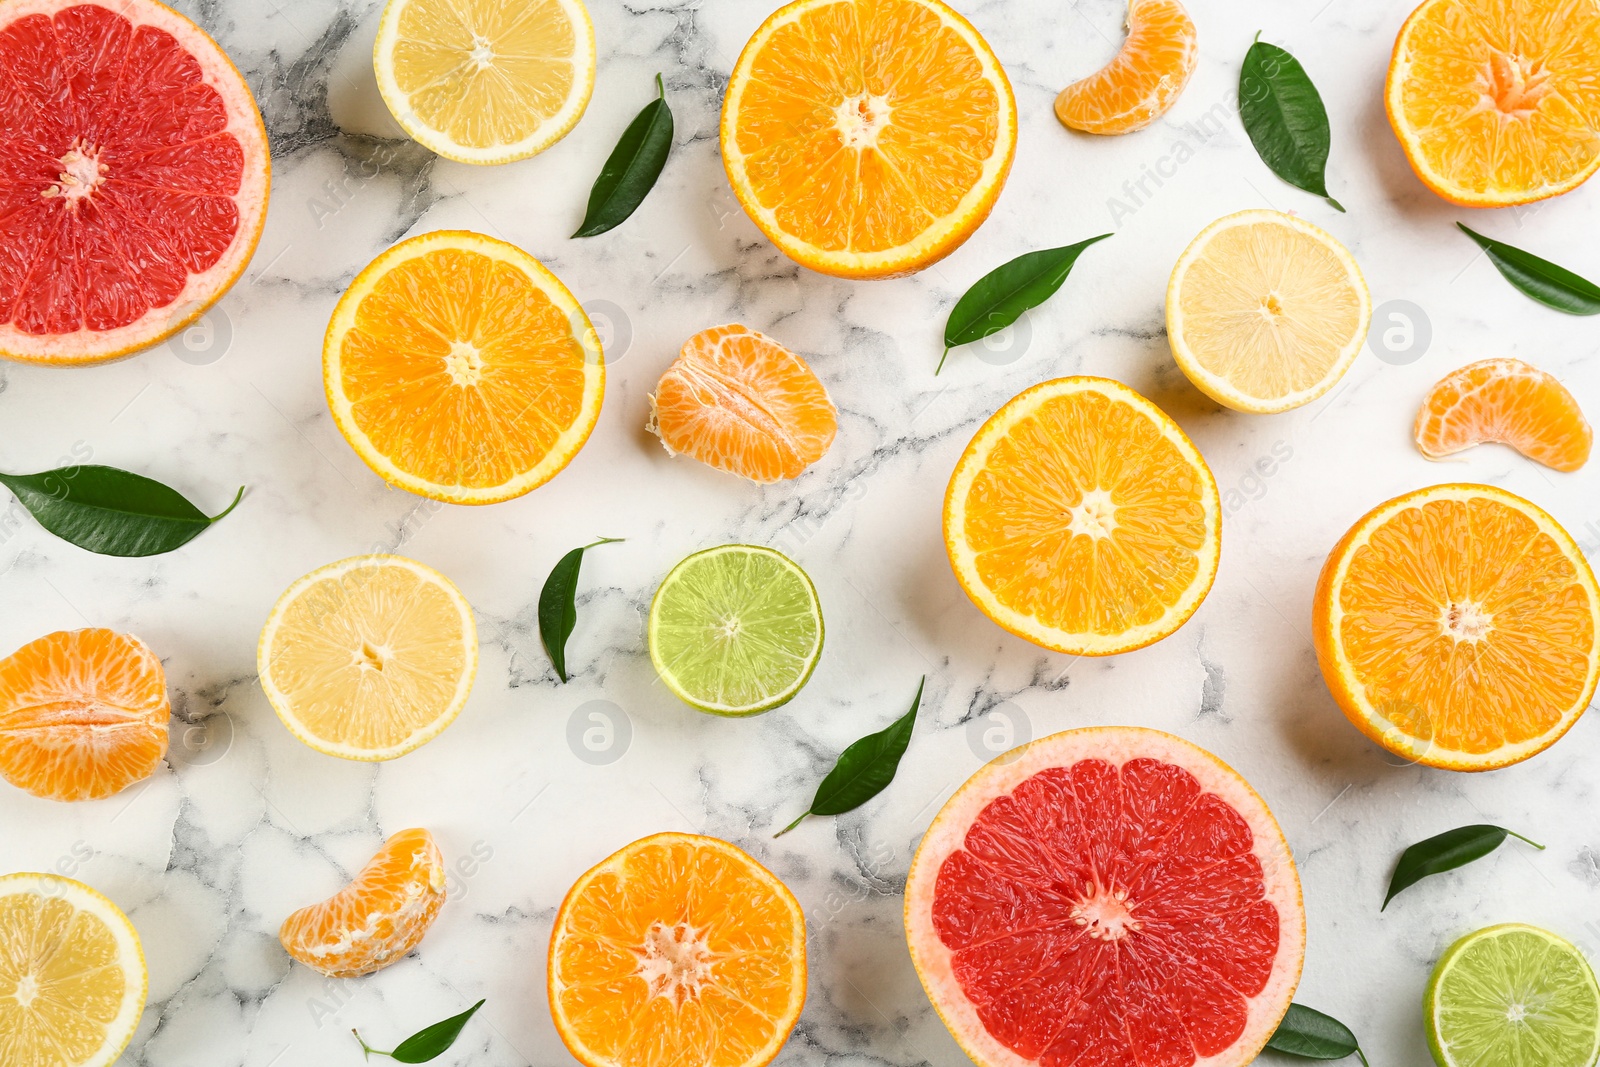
(484, 81)
(1081, 518)
(369, 658)
(739, 401)
(1495, 101)
(678, 949)
(72, 974)
(378, 918)
(459, 368)
(1143, 81)
(736, 630)
(1265, 311)
(1510, 403)
(1456, 626)
(83, 714)
(135, 177)
(1513, 994)
(1109, 896)
(867, 138)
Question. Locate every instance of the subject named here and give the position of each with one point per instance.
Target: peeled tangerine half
(1110, 896)
(1508, 402)
(739, 401)
(1145, 78)
(376, 919)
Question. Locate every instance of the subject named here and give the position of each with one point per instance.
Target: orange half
(1144, 79)
(677, 950)
(1508, 402)
(867, 138)
(1496, 101)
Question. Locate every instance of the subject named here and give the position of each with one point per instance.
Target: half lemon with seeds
(72, 974)
(369, 658)
(485, 81)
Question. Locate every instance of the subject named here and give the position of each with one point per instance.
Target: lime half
(736, 630)
(1513, 996)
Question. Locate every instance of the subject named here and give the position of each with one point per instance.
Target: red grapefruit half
(133, 177)
(1113, 897)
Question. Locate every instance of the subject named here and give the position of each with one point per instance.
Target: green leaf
(558, 604)
(1283, 114)
(998, 298)
(1540, 279)
(1309, 1034)
(1445, 852)
(632, 168)
(865, 769)
(109, 511)
(425, 1044)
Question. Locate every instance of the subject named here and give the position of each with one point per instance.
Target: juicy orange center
(1515, 85)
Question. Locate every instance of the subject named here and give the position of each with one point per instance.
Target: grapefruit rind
(201, 290)
(1117, 745)
(962, 558)
(566, 446)
(1338, 672)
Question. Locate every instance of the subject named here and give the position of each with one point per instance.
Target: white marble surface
(247, 824)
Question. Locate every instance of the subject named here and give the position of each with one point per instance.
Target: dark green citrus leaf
(1540, 279)
(865, 769)
(1445, 852)
(109, 511)
(997, 299)
(558, 604)
(1283, 114)
(1309, 1034)
(632, 168)
(428, 1043)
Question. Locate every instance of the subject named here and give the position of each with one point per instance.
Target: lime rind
(1513, 995)
(736, 630)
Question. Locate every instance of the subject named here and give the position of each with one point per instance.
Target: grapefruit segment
(1107, 896)
(135, 177)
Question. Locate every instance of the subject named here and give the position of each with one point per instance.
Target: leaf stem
(367, 1052)
(1362, 1056)
(792, 825)
(1337, 206)
(237, 497)
(661, 87)
(604, 541)
(942, 358)
(1529, 840)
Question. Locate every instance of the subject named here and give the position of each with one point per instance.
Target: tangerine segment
(378, 918)
(1508, 402)
(135, 177)
(677, 949)
(1495, 101)
(1145, 78)
(739, 401)
(83, 714)
(1082, 518)
(1108, 896)
(461, 369)
(72, 973)
(1456, 626)
(867, 137)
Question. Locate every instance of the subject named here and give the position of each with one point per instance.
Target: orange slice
(1083, 519)
(1456, 625)
(739, 401)
(1510, 403)
(461, 369)
(376, 919)
(1495, 101)
(867, 138)
(83, 714)
(1145, 78)
(677, 950)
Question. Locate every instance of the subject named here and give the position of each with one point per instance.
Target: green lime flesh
(1513, 996)
(736, 630)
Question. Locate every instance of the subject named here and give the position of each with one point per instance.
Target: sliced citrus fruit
(1495, 101)
(1513, 994)
(1508, 402)
(1145, 78)
(1456, 626)
(1107, 896)
(736, 630)
(376, 919)
(679, 949)
(369, 658)
(83, 714)
(461, 369)
(867, 138)
(136, 177)
(484, 81)
(1081, 518)
(1265, 311)
(72, 974)
(739, 401)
